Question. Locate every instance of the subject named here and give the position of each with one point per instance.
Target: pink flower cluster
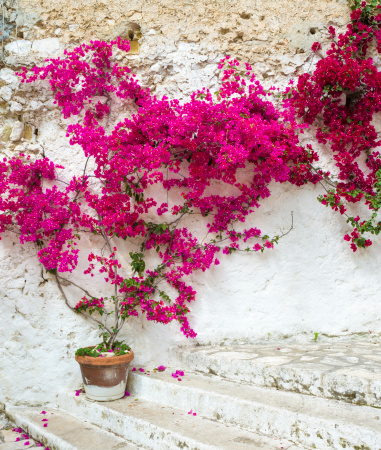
(95, 304)
(216, 154)
(341, 97)
(178, 374)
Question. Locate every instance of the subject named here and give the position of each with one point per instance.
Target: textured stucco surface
(312, 282)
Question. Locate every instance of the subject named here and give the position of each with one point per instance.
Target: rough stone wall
(311, 283)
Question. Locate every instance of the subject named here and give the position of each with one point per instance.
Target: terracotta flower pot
(105, 378)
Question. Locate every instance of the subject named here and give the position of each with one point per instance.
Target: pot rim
(106, 361)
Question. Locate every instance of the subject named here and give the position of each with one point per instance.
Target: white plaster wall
(312, 282)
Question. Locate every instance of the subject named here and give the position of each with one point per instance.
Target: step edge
(68, 395)
(325, 422)
(276, 392)
(15, 413)
(292, 444)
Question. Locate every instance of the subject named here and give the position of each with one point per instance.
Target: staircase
(312, 396)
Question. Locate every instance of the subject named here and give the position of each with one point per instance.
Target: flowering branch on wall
(342, 97)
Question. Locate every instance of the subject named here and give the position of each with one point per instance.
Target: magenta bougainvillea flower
(316, 46)
(177, 374)
(161, 368)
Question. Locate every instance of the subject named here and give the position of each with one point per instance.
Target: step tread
(195, 431)
(349, 371)
(362, 360)
(20, 445)
(358, 360)
(329, 357)
(65, 432)
(333, 410)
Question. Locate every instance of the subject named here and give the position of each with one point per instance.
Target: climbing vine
(209, 159)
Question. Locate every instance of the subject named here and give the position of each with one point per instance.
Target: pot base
(105, 394)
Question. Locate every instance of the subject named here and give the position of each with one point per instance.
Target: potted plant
(143, 180)
(105, 379)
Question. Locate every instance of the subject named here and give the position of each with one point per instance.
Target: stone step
(309, 421)
(63, 431)
(158, 427)
(347, 371)
(15, 440)
(19, 446)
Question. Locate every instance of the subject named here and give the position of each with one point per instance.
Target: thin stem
(326, 190)
(116, 311)
(61, 181)
(83, 180)
(76, 285)
(79, 312)
(252, 250)
(326, 179)
(292, 226)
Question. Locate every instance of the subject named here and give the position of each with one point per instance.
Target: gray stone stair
(347, 371)
(305, 420)
(159, 427)
(64, 432)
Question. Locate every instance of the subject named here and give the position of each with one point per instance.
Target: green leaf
(360, 242)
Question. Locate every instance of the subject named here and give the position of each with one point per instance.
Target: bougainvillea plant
(341, 97)
(212, 157)
(209, 160)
